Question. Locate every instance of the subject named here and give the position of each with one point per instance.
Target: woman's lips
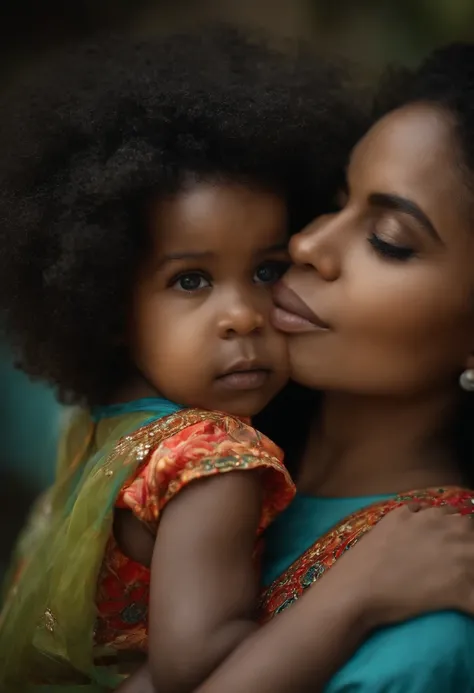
(292, 314)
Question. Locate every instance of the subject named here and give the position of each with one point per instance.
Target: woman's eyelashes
(390, 250)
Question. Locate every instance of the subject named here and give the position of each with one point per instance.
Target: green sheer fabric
(47, 622)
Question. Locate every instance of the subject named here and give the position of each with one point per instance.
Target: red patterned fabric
(192, 447)
(200, 447)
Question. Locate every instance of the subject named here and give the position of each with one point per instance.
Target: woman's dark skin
(391, 276)
(387, 329)
(379, 431)
(321, 631)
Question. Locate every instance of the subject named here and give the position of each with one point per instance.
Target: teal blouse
(430, 654)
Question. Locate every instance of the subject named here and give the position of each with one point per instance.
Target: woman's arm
(392, 574)
(300, 649)
(295, 652)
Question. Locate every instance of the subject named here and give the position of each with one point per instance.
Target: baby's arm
(204, 583)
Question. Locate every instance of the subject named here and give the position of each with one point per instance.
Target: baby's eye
(270, 272)
(190, 282)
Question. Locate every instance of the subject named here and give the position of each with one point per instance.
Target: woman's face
(380, 300)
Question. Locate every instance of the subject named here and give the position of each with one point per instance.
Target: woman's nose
(317, 247)
(240, 318)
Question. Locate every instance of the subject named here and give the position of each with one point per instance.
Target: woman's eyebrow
(406, 206)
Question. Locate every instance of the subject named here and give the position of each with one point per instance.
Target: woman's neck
(370, 445)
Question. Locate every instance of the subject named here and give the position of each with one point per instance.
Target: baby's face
(201, 332)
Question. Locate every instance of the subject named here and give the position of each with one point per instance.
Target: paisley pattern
(189, 445)
(322, 555)
(122, 602)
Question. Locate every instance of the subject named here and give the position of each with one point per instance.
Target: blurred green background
(371, 33)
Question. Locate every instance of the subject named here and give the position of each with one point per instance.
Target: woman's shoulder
(430, 653)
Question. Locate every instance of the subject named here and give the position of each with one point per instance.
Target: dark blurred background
(371, 33)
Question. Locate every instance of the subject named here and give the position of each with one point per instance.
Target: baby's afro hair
(90, 135)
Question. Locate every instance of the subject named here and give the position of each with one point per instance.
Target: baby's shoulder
(195, 444)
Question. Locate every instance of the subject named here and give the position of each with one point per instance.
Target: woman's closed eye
(390, 251)
(392, 239)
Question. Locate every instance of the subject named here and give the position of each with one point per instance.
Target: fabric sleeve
(204, 449)
(430, 654)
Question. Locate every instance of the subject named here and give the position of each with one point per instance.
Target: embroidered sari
(428, 654)
(322, 554)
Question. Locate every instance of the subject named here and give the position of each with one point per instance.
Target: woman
(380, 316)
(83, 208)
(379, 312)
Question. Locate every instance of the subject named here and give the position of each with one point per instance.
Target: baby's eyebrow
(208, 255)
(188, 255)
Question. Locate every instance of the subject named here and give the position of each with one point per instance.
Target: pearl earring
(466, 380)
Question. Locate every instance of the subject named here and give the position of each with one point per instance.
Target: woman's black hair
(91, 135)
(445, 78)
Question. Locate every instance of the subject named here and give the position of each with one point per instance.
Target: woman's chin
(305, 374)
(306, 368)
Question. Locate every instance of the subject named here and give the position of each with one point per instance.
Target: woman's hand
(412, 563)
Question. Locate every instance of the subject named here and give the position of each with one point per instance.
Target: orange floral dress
(175, 451)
